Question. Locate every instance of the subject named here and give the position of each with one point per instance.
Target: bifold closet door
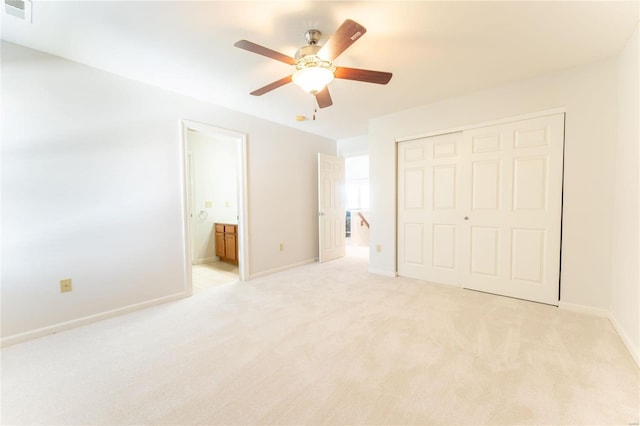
(515, 170)
(431, 208)
(490, 215)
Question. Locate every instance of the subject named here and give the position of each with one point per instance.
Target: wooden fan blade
(344, 37)
(265, 51)
(378, 77)
(269, 87)
(324, 98)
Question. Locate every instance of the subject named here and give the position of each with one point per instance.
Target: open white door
(331, 207)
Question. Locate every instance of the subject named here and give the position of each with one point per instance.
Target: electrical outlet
(65, 285)
(208, 204)
(281, 246)
(379, 248)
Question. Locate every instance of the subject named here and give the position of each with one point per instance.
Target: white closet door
(513, 240)
(482, 208)
(431, 207)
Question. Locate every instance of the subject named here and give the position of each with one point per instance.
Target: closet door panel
(516, 193)
(430, 209)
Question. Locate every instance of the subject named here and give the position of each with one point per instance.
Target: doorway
(357, 205)
(214, 193)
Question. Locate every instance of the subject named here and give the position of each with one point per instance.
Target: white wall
(214, 168)
(352, 147)
(92, 184)
(625, 256)
(589, 95)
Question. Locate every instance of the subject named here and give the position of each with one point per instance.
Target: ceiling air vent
(21, 9)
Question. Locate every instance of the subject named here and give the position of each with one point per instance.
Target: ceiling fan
(314, 63)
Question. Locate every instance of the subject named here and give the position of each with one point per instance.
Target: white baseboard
(381, 272)
(625, 339)
(281, 268)
(581, 309)
(67, 325)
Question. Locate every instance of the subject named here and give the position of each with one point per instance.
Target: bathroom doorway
(215, 198)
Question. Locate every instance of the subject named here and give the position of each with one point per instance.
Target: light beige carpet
(327, 344)
(208, 275)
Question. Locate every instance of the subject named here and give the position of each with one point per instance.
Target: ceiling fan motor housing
(310, 50)
(313, 73)
(312, 36)
(307, 56)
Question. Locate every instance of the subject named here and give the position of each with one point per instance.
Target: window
(357, 182)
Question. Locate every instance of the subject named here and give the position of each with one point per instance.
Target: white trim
(382, 272)
(484, 124)
(283, 268)
(187, 247)
(243, 220)
(67, 325)
(191, 190)
(581, 309)
(625, 339)
(243, 208)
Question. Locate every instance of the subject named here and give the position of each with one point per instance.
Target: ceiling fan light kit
(314, 67)
(313, 78)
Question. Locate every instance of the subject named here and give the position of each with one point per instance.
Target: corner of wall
(628, 343)
(625, 248)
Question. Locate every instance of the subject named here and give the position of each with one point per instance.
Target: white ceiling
(435, 50)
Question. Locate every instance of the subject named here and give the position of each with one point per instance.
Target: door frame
(242, 184)
(488, 123)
